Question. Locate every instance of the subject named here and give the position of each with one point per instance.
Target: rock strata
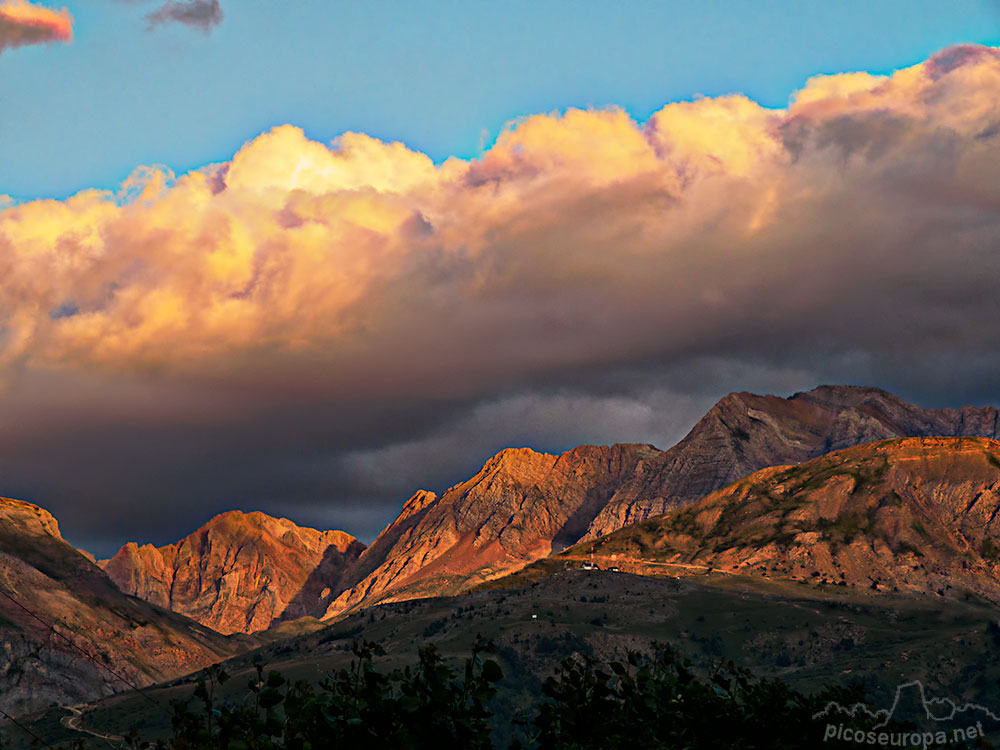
(520, 506)
(240, 572)
(917, 514)
(745, 432)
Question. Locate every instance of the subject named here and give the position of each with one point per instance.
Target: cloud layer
(199, 14)
(354, 299)
(23, 23)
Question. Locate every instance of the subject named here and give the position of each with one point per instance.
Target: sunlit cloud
(574, 234)
(850, 236)
(23, 23)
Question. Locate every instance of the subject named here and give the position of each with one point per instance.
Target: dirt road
(73, 722)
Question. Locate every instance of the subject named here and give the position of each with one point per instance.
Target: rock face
(521, 506)
(918, 514)
(240, 572)
(745, 432)
(46, 582)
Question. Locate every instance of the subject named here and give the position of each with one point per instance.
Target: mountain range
(521, 506)
(853, 485)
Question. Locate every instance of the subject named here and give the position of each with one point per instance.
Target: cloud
(308, 314)
(577, 238)
(23, 23)
(561, 418)
(199, 14)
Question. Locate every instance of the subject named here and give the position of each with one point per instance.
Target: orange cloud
(577, 236)
(23, 23)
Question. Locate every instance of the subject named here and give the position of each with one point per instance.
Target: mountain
(913, 515)
(68, 635)
(520, 506)
(524, 505)
(240, 572)
(745, 432)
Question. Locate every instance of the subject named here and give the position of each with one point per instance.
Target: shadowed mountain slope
(46, 582)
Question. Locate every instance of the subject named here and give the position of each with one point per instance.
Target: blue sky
(442, 76)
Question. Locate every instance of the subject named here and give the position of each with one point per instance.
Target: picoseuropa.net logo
(937, 722)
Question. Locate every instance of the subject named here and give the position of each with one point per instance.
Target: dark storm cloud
(328, 328)
(198, 14)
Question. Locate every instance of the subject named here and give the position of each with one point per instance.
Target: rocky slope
(746, 432)
(521, 506)
(517, 509)
(68, 635)
(918, 514)
(240, 572)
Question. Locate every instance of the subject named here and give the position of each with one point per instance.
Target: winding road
(73, 722)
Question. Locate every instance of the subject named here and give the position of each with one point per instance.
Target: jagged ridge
(509, 513)
(523, 505)
(240, 572)
(745, 432)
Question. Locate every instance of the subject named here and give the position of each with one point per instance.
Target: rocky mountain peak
(521, 464)
(851, 395)
(28, 519)
(420, 500)
(745, 432)
(239, 572)
(520, 506)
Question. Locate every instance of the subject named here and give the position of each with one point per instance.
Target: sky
(309, 257)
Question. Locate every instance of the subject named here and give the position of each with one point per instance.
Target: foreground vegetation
(654, 700)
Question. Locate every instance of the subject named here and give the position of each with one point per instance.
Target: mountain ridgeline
(840, 485)
(745, 432)
(906, 515)
(520, 507)
(524, 505)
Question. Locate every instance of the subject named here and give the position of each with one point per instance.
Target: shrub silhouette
(652, 701)
(656, 701)
(418, 707)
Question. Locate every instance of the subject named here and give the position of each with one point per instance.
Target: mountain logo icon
(910, 701)
(941, 721)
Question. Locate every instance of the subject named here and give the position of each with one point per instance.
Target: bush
(657, 702)
(424, 706)
(653, 701)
